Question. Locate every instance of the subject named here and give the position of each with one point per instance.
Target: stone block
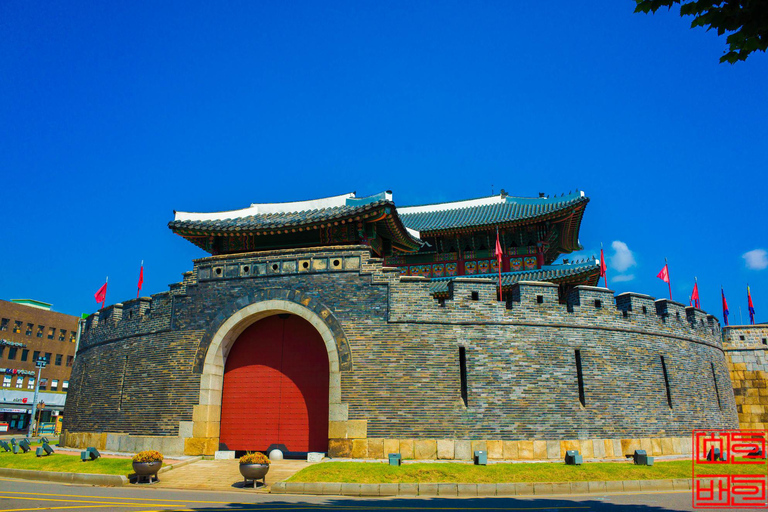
(479, 446)
(467, 489)
(553, 450)
(206, 413)
(598, 446)
(677, 446)
(185, 428)
(542, 488)
(332, 489)
(340, 448)
(391, 446)
(224, 455)
(312, 488)
(359, 448)
(205, 429)
(617, 452)
(495, 450)
(565, 487)
(511, 451)
(428, 489)
(369, 489)
(447, 489)
(350, 489)
(408, 489)
(425, 449)
(277, 488)
(596, 487)
(337, 429)
(388, 489)
(540, 450)
(463, 450)
(645, 444)
(376, 449)
(315, 456)
(631, 485)
(579, 488)
(357, 429)
(506, 489)
(486, 489)
(571, 444)
(294, 487)
(614, 486)
(681, 484)
(587, 450)
(526, 450)
(628, 446)
(406, 448)
(200, 446)
(655, 447)
(445, 449)
(113, 442)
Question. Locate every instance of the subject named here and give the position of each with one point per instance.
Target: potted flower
(254, 466)
(147, 464)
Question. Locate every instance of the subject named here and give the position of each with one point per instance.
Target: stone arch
(206, 416)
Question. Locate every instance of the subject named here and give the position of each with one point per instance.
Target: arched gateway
(276, 387)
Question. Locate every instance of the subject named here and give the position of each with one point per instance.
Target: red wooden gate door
(276, 387)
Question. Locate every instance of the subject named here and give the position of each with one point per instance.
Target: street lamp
(40, 364)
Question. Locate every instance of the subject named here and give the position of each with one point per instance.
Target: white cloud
(756, 259)
(622, 279)
(622, 258)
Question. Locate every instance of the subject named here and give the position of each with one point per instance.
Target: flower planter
(147, 470)
(254, 472)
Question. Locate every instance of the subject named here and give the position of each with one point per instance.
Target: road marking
(89, 501)
(55, 508)
(155, 500)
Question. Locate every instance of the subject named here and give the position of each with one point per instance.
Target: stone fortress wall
(145, 377)
(746, 350)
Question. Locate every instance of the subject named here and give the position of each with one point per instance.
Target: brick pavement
(224, 475)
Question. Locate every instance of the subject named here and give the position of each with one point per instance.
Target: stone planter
(147, 470)
(254, 472)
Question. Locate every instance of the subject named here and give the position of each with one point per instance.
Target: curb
(68, 478)
(82, 478)
(508, 489)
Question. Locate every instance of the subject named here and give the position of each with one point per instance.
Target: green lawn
(64, 463)
(373, 473)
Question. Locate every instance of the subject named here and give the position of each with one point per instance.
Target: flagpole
(669, 279)
(141, 278)
(498, 262)
(105, 293)
(605, 270)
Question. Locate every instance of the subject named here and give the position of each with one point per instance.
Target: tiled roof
(277, 220)
(489, 211)
(548, 273)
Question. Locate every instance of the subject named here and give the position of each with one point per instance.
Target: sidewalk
(224, 475)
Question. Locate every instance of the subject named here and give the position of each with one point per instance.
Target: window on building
(72, 336)
(43, 384)
(29, 329)
(40, 329)
(51, 332)
(55, 385)
(717, 391)
(58, 359)
(24, 354)
(17, 326)
(4, 324)
(48, 357)
(580, 378)
(7, 381)
(666, 381)
(35, 356)
(62, 334)
(65, 385)
(463, 375)
(12, 353)
(19, 382)
(2, 349)
(31, 383)
(70, 360)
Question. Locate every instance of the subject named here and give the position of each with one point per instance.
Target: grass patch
(374, 473)
(65, 463)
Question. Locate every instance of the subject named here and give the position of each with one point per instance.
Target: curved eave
(569, 234)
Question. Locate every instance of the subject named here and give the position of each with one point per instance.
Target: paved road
(20, 495)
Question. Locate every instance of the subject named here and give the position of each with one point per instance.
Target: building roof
(588, 271)
(500, 210)
(33, 303)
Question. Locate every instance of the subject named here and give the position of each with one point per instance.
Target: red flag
(499, 253)
(664, 274)
(695, 296)
(603, 268)
(141, 279)
(101, 295)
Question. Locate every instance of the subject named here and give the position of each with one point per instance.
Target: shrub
(254, 458)
(148, 456)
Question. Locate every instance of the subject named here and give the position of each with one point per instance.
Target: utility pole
(40, 364)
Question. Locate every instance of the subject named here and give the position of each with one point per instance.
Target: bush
(254, 458)
(148, 456)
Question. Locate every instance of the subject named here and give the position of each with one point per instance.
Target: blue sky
(114, 114)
